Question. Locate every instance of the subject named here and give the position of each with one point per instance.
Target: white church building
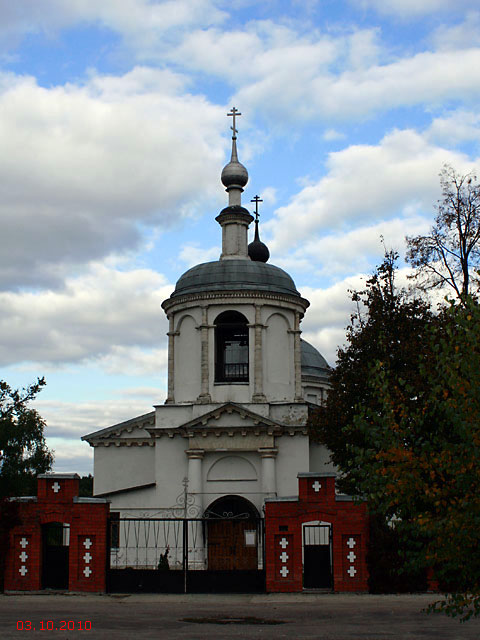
(220, 487)
(240, 384)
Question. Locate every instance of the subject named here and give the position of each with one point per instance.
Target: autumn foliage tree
(419, 463)
(388, 325)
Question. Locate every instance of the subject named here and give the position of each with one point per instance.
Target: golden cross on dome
(234, 113)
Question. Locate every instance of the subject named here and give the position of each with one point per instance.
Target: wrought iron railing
(232, 372)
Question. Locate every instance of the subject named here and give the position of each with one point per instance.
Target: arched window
(231, 347)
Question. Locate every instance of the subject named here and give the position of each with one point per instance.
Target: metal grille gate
(186, 555)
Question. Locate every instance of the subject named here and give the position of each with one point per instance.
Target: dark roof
(313, 363)
(235, 274)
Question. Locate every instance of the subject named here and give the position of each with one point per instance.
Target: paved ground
(323, 617)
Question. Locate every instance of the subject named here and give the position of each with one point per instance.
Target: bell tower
(234, 333)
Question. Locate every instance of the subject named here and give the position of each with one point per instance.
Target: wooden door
(232, 545)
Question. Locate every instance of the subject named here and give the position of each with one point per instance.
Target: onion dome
(257, 250)
(234, 174)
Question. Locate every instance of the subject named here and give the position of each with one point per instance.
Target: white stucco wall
(138, 503)
(239, 475)
(278, 346)
(314, 393)
(187, 357)
(171, 467)
(122, 467)
(293, 457)
(320, 458)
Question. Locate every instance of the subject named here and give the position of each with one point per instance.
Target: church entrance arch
(234, 534)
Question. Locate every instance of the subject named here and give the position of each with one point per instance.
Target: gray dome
(236, 275)
(313, 363)
(234, 174)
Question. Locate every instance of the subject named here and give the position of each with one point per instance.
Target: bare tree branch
(450, 253)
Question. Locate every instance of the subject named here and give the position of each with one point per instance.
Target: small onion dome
(257, 250)
(234, 173)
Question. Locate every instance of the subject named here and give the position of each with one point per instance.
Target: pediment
(133, 429)
(227, 417)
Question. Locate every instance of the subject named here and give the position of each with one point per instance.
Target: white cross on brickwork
(56, 487)
(87, 557)
(23, 543)
(284, 572)
(283, 543)
(351, 556)
(351, 543)
(284, 556)
(23, 570)
(87, 572)
(316, 486)
(23, 556)
(87, 543)
(351, 572)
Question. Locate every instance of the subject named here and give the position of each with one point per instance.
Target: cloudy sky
(113, 134)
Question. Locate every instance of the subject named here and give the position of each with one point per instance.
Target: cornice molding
(235, 295)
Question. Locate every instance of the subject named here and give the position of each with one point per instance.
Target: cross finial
(256, 199)
(234, 113)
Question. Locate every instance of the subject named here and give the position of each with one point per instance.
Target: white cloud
(340, 253)
(139, 392)
(137, 361)
(333, 134)
(143, 23)
(191, 254)
(330, 310)
(413, 8)
(104, 314)
(363, 185)
(463, 35)
(71, 456)
(68, 421)
(300, 90)
(269, 196)
(455, 128)
(82, 167)
(328, 315)
(364, 49)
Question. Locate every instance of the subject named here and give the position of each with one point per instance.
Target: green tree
(450, 253)
(86, 486)
(419, 463)
(23, 452)
(388, 325)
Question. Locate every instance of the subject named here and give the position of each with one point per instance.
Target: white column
(297, 358)
(196, 557)
(258, 395)
(195, 488)
(269, 481)
(204, 396)
(234, 222)
(171, 361)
